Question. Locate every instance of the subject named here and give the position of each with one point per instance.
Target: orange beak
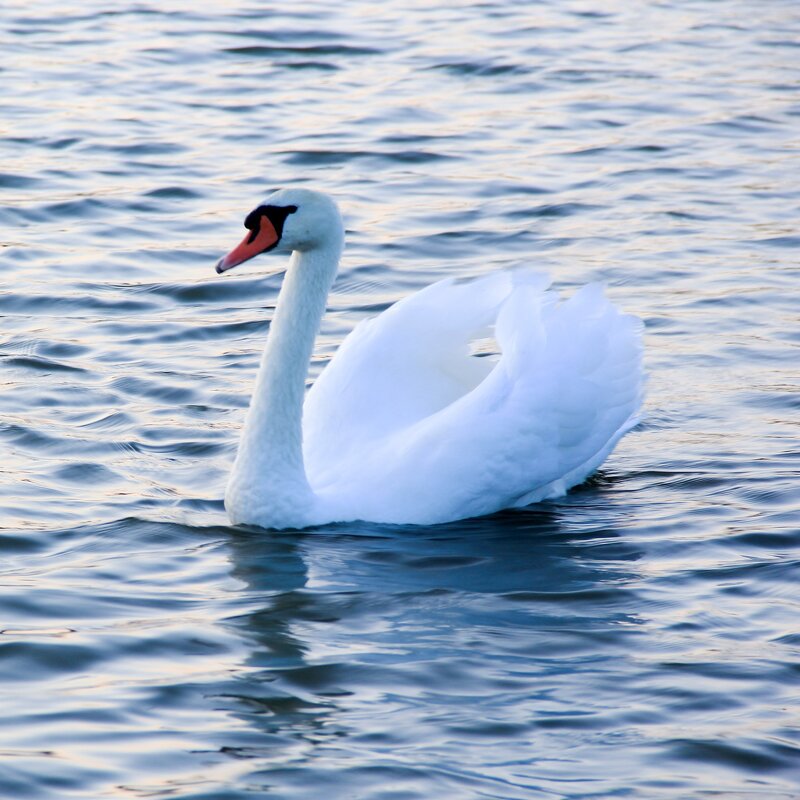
(264, 238)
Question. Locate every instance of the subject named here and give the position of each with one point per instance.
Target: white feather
(404, 425)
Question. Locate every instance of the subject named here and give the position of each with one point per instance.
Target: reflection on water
(635, 639)
(479, 628)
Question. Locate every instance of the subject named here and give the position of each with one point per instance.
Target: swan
(404, 425)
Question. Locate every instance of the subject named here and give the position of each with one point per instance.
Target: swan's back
(404, 425)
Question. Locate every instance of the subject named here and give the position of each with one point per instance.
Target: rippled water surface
(639, 638)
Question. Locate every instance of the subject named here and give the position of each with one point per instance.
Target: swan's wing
(400, 367)
(567, 387)
(589, 388)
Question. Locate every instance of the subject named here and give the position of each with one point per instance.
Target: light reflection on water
(637, 639)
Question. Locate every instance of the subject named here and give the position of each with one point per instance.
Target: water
(638, 638)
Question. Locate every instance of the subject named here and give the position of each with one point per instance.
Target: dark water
(637, 639)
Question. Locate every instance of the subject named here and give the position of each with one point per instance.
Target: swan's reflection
(348, 623)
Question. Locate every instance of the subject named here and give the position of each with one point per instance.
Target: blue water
(639, 638)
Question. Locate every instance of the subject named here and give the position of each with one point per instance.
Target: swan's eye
(276, 215)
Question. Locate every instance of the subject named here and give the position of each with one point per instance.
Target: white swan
(404, 425)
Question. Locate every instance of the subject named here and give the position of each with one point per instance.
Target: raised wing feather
(567, 387)
(399, 368)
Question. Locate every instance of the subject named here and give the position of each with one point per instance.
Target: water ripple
(637, 638)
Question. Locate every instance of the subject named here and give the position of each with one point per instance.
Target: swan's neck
(268, 485)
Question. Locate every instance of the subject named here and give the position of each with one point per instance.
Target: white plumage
(405, 425)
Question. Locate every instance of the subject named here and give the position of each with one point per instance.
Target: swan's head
(290, 219)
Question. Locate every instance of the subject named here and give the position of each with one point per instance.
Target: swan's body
(404, 425)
